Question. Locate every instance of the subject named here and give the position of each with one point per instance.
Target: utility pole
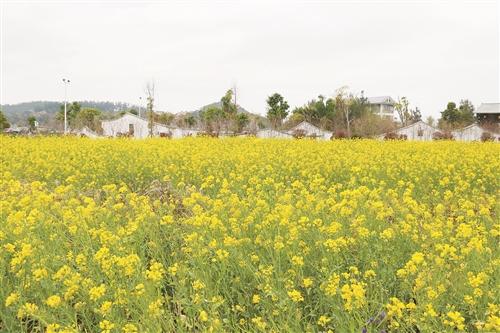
(140, 102)
(66, 83)
(235, 102)
(150, 92)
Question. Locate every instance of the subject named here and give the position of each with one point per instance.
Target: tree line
(345, 113)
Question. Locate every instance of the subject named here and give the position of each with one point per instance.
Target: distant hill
(45, 111)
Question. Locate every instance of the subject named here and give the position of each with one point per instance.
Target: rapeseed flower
(326, 235)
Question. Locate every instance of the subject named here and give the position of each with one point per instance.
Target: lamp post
(66, 82)
(140, 102)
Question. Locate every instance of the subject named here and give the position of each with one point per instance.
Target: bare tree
(343, 102)
(234, 94)
(150, 95)
(406, 114)
(431, 121)
(403, 110)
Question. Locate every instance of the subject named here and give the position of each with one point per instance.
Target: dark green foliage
(190, 121)
(32, 123)
(164, 118)
(228, 107)
(332, 113)
(213, 118)
(72, 110)
(4, 123)
(88, 117)
(317, 111)
(466, 111)
(277, 109)
(461, 116)
(242, 121)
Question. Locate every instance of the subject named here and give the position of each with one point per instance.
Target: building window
(420, 132)
(130, 129)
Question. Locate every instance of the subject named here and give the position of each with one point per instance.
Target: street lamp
(66, 83)
(140, 102)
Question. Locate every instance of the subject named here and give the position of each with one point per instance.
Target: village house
(418, 131)
(271, 133)
(137, 127)
(382, 106)
(473, 132)
(488, 113)
(306, 129)
(86, 132)
(128, 124)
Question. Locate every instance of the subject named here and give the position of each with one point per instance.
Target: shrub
(487, 136)
(339, 134)
(395, 136)
(299, 134)
(444, 135)
(208, 134)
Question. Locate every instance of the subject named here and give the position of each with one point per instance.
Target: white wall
(311, 130)
(471, 133)
(412, 132)
(115, 127)
(269, 133)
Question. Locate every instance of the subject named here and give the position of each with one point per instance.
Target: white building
(188, 132)
(128, 124)
(270, 133)
(309, 130)
(383, 106)
(472, 133)
(137, 127)
(87, 132)
(418, 131)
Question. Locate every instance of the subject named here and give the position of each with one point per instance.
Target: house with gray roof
(382, 105)
(488, 113)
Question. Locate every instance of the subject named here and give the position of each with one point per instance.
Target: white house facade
(472, 133)
(382, 106)
(270, 133)
(310, 130)
(137, 127)
(87, 132)
(128, 124)
(418, 131)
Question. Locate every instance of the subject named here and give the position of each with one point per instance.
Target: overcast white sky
(429, 51)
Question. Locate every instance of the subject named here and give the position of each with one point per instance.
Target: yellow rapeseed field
(249, 235)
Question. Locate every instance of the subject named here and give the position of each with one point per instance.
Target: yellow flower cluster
(248, 235)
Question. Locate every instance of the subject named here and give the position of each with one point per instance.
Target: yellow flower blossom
(53, 301)
(247, 234)
(455, 320)
(307, 282)
(11, 299)
(295, 295)
(97, 292)
(106, 326)
(203, 316)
